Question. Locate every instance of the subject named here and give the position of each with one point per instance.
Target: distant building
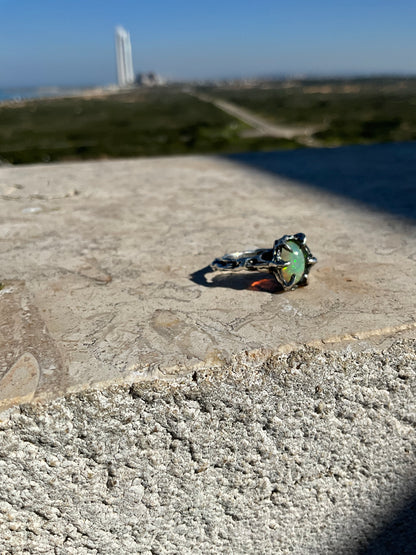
(125, 73)
(150, 79)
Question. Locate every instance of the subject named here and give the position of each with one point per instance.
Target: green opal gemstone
(297, 262)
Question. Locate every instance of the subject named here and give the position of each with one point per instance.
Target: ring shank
(256, 259)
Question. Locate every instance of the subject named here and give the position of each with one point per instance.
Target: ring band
(289, 260)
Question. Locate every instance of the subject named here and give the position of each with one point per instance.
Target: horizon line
(264, 77)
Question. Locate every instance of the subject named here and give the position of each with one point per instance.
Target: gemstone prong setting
(297, 258)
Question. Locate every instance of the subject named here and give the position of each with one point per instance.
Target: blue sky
(71, 42)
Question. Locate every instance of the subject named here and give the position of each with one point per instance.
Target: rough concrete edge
(250, 359)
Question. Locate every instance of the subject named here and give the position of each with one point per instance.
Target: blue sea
(22, 93)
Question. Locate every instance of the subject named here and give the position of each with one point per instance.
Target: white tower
(125, 73)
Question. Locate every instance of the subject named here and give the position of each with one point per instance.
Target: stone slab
(111, 258)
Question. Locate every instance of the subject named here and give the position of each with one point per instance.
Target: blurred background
(92, 80)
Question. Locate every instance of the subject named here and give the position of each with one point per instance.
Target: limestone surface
(105, 265)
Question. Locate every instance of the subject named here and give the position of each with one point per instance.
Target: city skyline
(45, 44)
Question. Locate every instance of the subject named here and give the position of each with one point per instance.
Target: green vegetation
(342, 111)
(138, 123)
(154, 122)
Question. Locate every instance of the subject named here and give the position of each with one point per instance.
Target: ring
(289, 261)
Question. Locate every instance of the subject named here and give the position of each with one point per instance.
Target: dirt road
(260, 126)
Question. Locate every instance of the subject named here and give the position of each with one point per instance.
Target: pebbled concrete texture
(308, 452)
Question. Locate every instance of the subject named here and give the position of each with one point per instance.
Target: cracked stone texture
(310, 452)
(102, 266)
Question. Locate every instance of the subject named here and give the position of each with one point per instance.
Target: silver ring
(289, 261)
